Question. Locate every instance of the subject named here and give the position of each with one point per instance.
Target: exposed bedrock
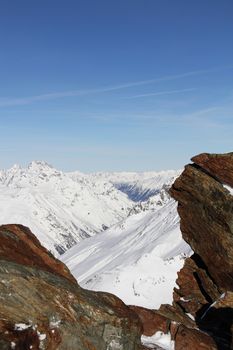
(218, 165)
(43, 307)
(201, 316)
(206, 220)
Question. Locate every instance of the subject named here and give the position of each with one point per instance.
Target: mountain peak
(15, 168)
(38, 164)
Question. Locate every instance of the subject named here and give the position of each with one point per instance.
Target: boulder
(205, 283)
(195, 287)
(165, 320)
(220, 166)
(193, 339)
(43, 307)
(206, 220)
(152, 321)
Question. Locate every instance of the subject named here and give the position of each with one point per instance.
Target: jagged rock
(206, 220)
(196, 289)
(152, 321)
(175, 314)
(42, 306)
(218, 165)
(205, 283)
(193, 339)
(18, 244)
(165, 320)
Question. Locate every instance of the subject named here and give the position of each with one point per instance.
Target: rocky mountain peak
(15, 168)
(35, 164)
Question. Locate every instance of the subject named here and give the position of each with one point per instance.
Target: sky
(115, 85)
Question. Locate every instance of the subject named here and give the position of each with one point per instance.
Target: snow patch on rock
(158, 339)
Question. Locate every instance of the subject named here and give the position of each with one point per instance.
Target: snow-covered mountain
(139, 186)
(114, 240)
(136, 259)
(64, 208)
(58, 209)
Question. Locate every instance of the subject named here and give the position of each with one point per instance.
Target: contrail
(4, 102)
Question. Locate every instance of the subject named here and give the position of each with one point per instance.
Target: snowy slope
(137, 259)
(146, 186)
(140, 186)
(58, 209)
(63, 208)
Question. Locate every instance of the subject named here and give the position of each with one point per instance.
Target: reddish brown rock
(165, 320)
(196, 289)
(193, 339)
(224, 301)
(188, 295)
(152, 321)
(218, 165)
(18, 244)
(176, 314)
(206, 212)
(206, 221)
(43, 307)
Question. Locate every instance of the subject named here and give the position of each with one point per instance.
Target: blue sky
(115, 85)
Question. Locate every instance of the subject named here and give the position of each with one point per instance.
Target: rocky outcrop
(43, 307)
(165, 320)
(152, 320)
(18, 244)
(203, 295)
(193, 339)
(195, 288)
(219, 166)
(205, 207)
(206, 220)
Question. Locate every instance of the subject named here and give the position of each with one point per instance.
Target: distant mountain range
(64, 208)
(129, 219)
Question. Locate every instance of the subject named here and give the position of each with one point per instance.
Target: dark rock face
(218, 320)
(201, 316)
(42, 306)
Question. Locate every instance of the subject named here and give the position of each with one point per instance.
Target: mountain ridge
(64, 208)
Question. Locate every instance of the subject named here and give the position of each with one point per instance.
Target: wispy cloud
(4, 102)
(202, 119)
(159, 93)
